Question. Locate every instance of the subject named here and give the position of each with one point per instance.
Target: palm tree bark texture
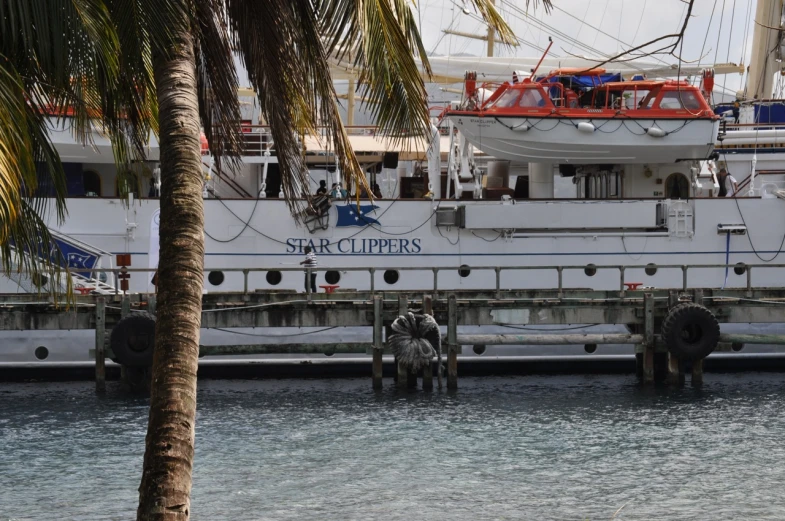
(165, 490)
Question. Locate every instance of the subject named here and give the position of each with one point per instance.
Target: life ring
(690, 331)
(133, 339)
(415, 341)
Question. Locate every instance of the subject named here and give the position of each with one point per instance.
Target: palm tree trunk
(165, 490)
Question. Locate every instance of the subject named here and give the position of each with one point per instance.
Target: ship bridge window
(508, 99)
(683, 99)
(531, 98)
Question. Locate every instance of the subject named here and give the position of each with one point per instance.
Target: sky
(710, 38)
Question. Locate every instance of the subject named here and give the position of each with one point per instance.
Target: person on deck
(322, 190)
(728, 184)
(337, 192)
(309, 262)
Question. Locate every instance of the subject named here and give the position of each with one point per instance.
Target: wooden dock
(642, 311)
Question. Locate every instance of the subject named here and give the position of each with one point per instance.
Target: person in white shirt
(728, 184)
(310, 262)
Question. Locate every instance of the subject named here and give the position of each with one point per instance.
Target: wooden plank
(554, 339)
(264, 349)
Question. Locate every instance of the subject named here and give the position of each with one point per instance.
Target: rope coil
(415, 341)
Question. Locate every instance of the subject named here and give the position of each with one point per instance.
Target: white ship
(481, 211)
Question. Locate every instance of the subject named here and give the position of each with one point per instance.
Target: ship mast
(491, 36)
(766, 49)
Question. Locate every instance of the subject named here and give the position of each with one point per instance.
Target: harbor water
(535, 447)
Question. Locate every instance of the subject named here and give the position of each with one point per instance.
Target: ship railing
(258, 139)
(625, 286)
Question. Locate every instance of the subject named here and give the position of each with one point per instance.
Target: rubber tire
(691, 332)
(133, 339)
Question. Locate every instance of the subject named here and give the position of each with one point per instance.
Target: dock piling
(675, 373)
(648, 338)
(427, 371)
(405, 379)
(452, 343)
(697, 373)
(378, 344)
(100, 339)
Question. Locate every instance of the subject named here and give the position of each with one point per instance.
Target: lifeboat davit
(576, 117)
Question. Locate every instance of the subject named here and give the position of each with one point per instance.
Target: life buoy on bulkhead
(691, 331)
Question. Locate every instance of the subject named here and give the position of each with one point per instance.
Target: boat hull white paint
(613, 141)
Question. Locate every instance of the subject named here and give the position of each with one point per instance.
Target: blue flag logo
(352, 215)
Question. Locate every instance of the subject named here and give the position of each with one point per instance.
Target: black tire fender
(691, 331)
(133, 339)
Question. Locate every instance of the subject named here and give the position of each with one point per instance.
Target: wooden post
(378, 344)
(452, 343)
(125, 306)
(697, 372)
(427, 372)
(100, 339)
(648, 338)
(674, 370)
(403, 373)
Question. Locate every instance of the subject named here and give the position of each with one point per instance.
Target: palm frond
(63, 63)
(288, 68)
(219, 105)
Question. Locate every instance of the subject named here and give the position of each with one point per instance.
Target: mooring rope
(416, 339)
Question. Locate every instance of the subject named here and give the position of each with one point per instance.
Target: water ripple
(501, 448)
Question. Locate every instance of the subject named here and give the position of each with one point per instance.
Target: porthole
(102, 277)
(651, 269)
(216, 278)
(332, 277)
(590, 348)
(740, 268)
(39, 280)
(273, 277)
(41, 352)
(464, 271)
(737, 346)
(590, 270)
(478, 349)
(391, 276)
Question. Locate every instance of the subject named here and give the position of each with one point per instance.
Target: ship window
(273, 277)
(677, 187)
(507, 99)
(216, 278)
(332, 277)
(92, 183)
(633, 98)
(532, 98)
(680, 99)
(391, 276)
